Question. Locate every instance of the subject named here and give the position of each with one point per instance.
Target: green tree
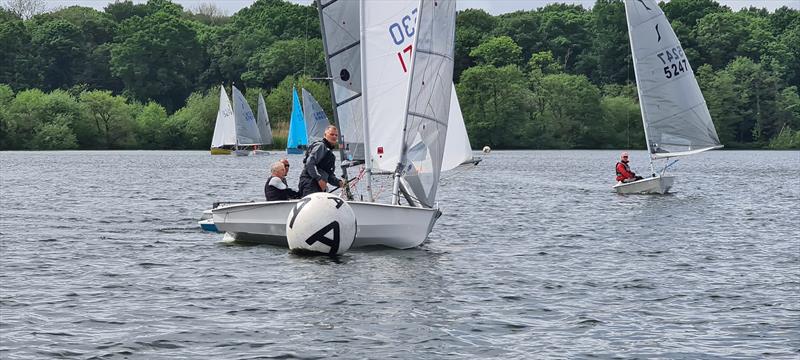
(18, 64)
(8, 127)
(112, 117)
(610, 46)
(472, 27)
(150, 124)
(57, 44)
(786, 139)
(543, 63)
(495, 103)
(56, 135)
(498, 51)
(571, 112)
(284, 58)
(193, 126)
(621, 125)
(124, 10)
(722, 98)
(689, 12)
(167, 77)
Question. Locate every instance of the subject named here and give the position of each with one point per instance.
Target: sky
(493, 7)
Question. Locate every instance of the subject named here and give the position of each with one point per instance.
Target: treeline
(147, 76)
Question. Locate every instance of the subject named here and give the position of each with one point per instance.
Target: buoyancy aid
(623, 171)
(272, 193)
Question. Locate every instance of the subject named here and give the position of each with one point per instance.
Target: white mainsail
(387, 37)
(224, 128)
(674, 112)
(457, 149)
(246, 129)
(263, 122)
(341, 38)
(314, 116)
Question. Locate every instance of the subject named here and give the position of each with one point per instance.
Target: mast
(235, 133)
(404, 147)
(347, 191)
(368, 158)
(639, 89)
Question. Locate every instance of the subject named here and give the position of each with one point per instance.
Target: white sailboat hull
(653, 185)
(394, 226)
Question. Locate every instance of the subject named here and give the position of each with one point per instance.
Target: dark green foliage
(147, 75)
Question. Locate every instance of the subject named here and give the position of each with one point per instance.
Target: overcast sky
(491, 6)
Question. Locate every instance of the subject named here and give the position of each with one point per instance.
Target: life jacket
(272, 193)
(327, 163)
(620, 175)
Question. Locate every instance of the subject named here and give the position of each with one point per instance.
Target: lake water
(534, 257)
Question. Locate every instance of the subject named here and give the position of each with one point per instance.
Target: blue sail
(297, 140)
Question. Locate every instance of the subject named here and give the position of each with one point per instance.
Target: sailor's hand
(322, 185)
(341, 183)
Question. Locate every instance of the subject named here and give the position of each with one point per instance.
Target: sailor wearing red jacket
(624, 173)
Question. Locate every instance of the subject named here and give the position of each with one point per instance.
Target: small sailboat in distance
(316, 120)
(262, 119)
(674, 113)
(297, 139)
(247, 133)
(224, 138)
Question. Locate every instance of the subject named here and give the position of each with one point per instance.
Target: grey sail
(246, 128)
(429, 100)
(341, 39)
(263, 122)
(674, 112)
(316, 120)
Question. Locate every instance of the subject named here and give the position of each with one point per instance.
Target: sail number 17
(675, 62)
(401, 32)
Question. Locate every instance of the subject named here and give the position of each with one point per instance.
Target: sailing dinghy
(224, 137)
(674, 113)
(400, 99)
(262, 119)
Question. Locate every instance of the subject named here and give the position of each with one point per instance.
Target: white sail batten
(247, 132)
(341, 39)
(429, 100)
(263, 122)
(314, 116)
(387, 36)
(224, 128)
(674, 112)
(457, 149)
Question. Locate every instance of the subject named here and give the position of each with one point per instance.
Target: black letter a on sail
(320, 236)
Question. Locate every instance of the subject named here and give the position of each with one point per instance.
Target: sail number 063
(675, 62)
(402, 31)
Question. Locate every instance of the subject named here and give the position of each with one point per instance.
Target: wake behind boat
(674, 113)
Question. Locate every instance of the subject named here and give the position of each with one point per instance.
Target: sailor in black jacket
(319, 164)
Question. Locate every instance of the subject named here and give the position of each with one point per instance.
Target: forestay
(224, 128)
(315, 118)
(246, 129)
(263, 122)
(675, 116)
(341, 39)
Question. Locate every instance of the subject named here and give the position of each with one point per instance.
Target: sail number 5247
(674, 61)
